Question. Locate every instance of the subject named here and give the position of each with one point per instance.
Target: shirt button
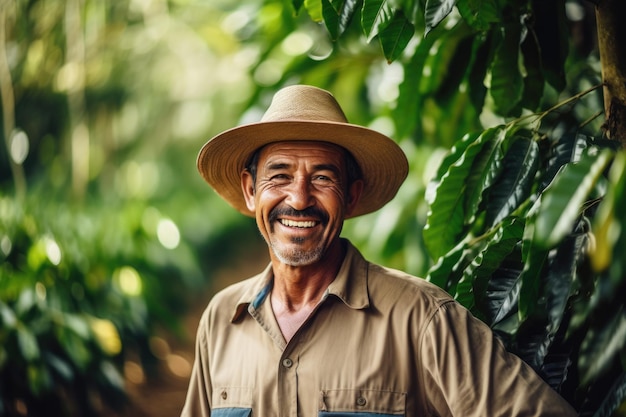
(287, 363)
(224, 395)
(361, 401)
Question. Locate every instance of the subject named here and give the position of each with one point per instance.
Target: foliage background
(108, 236)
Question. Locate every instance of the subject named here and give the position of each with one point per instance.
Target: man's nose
(299, 194)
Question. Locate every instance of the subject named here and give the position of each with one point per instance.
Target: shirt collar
(350, 284)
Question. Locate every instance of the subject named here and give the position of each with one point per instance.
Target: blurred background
(110, 242)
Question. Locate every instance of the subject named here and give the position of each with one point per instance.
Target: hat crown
(306, 103)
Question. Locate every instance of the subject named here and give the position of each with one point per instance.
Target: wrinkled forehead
(301, 149)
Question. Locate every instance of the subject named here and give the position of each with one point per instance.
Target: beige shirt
(380, 342)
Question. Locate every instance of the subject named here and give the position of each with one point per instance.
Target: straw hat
(308, 113)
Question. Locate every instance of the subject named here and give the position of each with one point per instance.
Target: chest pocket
(361, 403)
(232, 402)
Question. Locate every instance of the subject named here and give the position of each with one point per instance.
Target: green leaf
(502, 295)
(27, 343)
(607, 252)
(553, 217)
(506, 85)
(485, 169)
(601, 346)
(479, 14)
(7, 316)
(435, 11)
(533, 80)
(447, 66)
(562, 200)
(297, 4)
(481, 59)
(449, 268)
(314, 9)
(493, 279)
(407, 113)
(375, 15)
(538, 332)
(75, 347)
(60, 366)
(396, 36)
(515, 181)
(337, 15)
(331, 19)
(446, 217)
(39, 380)
(568, 148)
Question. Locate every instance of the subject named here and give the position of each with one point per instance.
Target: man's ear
(354, 195)
(247, 186)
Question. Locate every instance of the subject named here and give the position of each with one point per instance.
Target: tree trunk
(612, 44)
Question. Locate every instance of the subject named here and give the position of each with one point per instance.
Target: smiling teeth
(292, 223)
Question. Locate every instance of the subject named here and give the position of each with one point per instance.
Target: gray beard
(297, 257)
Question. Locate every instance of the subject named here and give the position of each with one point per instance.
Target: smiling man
(321, 331)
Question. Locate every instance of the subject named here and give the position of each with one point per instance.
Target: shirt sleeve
(198, 400)
(468, 372)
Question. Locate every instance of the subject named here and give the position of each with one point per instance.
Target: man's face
(300, 198)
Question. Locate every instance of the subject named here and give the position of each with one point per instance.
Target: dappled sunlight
(168, 233)
(128, 280)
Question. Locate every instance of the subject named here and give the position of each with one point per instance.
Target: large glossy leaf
(457, 150)
(396, 36)
(446, 266)
(480, 272)
(447, 63)
(568, 148)
(557, 284)
(407, 114)
(554, 216)
(482, 49)
(611, 216)
(479, 14)
(514, 183)
(375, 15)
(563, 199)
(337, 15)
(496, 279)
(485, 169)
(506, 85)
(435, 11)
(448, 270)
(446, 217)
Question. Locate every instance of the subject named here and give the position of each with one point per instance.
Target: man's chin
(297, 257)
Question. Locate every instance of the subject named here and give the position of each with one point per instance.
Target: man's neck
(298, 290)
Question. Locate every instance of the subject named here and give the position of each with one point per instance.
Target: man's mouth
(300, 224)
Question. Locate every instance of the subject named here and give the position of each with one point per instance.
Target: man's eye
(322, 178)
(279, 178)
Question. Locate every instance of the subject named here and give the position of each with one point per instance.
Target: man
(322, 331)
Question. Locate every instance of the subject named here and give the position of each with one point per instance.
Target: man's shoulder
(404, 286)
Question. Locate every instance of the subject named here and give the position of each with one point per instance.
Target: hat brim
(383, 164)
